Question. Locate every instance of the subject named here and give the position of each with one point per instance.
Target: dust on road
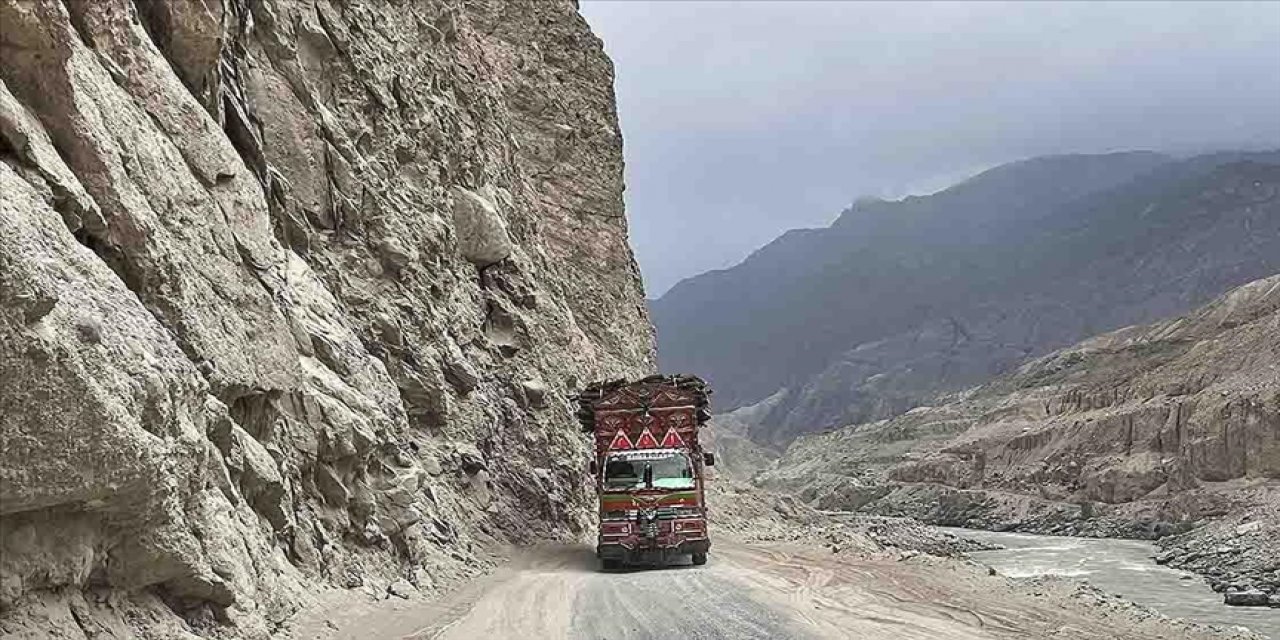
(748, 592)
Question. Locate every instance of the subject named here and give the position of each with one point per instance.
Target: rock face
(1143, 432)
(897, 302)
(290, 297)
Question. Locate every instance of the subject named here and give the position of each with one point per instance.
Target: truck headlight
(688, 525)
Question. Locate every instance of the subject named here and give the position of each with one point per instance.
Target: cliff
(291, 297)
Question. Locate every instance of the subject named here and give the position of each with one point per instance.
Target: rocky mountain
(1143, 432)
(896, 302)
(738, 457)
(291, 295)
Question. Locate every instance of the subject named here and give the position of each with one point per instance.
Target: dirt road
(754, 591)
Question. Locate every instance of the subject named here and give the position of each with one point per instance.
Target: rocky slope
(738, 457)
(1239, 553)
(899, 301)
(1143, 432)
(747, 513)
(291, 294)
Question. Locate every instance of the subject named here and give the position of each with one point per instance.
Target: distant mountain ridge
(898, 301)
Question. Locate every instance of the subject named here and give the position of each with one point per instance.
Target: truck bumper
(657, 555)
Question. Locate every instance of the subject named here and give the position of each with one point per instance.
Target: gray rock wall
(291, 294)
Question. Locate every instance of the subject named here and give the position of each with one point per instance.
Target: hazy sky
(744, 119)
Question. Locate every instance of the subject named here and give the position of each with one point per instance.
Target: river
(1122, 567)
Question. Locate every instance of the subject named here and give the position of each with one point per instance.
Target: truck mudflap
(613, 555)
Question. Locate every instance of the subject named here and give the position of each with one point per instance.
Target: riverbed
(1122, 567)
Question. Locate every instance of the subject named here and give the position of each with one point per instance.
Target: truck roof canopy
(644, 393)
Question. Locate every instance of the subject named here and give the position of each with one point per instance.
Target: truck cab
(651, 508)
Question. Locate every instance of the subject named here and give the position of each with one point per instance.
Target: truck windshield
(670, 471)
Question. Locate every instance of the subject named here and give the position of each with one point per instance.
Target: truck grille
(651, 529)
(663, 513)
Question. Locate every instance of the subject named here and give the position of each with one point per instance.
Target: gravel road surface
(750, 591)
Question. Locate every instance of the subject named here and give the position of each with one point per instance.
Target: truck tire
(610, 564)
(699, 558)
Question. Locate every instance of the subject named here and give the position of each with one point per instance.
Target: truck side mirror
(592, 468)
(709, 459)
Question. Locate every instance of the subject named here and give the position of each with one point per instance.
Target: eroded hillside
(1142, 432)
(291, 294)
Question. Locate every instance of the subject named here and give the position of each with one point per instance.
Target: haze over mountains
(756, 117)
(898, 301)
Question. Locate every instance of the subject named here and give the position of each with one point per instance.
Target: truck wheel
(611, 564)
(700, 558)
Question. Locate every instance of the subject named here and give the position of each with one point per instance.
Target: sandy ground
(748, 591)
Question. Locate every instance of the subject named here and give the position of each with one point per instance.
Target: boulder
(481, 233)
(535, 392)
(462, 376)
(1249, 598)
(470, 458)
(395, 255)
(402, 589)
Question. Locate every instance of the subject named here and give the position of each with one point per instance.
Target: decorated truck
(648, 468)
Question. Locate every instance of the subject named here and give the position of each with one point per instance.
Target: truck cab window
(621, 474)
(670, 470)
